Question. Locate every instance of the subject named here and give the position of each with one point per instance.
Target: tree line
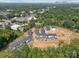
(67, 51)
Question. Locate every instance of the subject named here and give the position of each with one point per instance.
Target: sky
(37, 1)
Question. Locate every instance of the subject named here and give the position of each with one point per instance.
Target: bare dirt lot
(43, 44)
(67, 36)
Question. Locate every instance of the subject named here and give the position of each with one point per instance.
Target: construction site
(51, 36)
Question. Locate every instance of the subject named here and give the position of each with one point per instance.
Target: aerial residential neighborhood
(15, 22)
(39, 29)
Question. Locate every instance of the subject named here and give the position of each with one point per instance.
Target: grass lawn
(5, 53)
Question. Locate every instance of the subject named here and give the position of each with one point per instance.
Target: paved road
(19, 42)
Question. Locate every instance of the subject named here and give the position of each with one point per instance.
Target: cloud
(27, 0)
(8, 0)
(38, 0)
